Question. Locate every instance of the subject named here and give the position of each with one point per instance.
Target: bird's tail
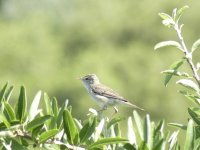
(135, 106)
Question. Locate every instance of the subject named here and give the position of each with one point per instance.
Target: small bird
(102, 94)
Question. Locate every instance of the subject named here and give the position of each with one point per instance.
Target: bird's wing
(107, 92)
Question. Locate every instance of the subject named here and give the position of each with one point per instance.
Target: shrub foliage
(54, 127)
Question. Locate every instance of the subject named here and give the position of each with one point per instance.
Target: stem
(187, 54)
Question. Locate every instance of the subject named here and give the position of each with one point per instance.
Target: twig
(187, 54)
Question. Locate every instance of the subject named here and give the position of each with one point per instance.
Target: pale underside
(105, 96)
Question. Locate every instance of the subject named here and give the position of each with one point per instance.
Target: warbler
(102, 94)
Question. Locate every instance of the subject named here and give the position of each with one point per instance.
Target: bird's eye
(86, 78)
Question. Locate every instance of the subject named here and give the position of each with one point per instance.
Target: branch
(187, 54)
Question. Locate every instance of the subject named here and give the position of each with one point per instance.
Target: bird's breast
(98, 98)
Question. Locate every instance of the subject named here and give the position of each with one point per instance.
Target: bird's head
(90, 79)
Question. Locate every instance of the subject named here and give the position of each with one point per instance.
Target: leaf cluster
(54, 127)
(189, 81)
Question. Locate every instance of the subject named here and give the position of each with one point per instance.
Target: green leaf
(47, 135)
(195, 99)
(195, 114)
(52, 123)
(92, 112)
(177, 64)
(178, 125)
(195, 45)
(180, 12)
(143, 146)
(87, 130)
(3, 91)
(173, 140)
(70, 127)
(188, 84)
(160, 126)
(37, 131)
(174, 66)
(79, 124)
(33, 111)
(196, 144)
(37, 122)
(189, 141)
(160, 145)
(15, 124)
(197, 132)
(159, 136)
(165, 16)
(9, 111)
(114, 121)
(55, 106)
(128, 146)
(47, 104)
(8, 93)
(174, 13)
(175, 73)
(60, 114)
(168, 43)
(24, 141)
(84, 131)
(99, 129)
(167, 20)
(131, 133)
(17, 146)
(139, 124)
(4, 120)
(107, 141)
(22, 104)
(148, 138)
(117, 130)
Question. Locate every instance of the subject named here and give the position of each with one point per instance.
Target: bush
(54, 127)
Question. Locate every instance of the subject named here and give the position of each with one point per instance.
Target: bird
(104, 95)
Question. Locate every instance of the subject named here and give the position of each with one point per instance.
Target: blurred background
(45, 45)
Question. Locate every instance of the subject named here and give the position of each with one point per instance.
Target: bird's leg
(102, 109)
(116, 110)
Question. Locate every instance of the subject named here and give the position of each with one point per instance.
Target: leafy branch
(193, 88)
(173, 22)
(188, 54)
(54, 127)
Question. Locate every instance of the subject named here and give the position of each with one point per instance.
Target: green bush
(54, 127)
